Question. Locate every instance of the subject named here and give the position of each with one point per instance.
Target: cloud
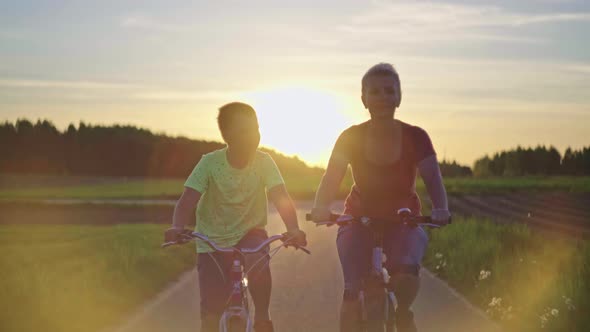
(26, 83)
(179, 95)
(455, 15)
(142, 21)
(577, 68)
(121, 90)
(559, 17)
(415, 22)
(9, 35)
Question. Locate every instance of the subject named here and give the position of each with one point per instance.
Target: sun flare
(299, 120)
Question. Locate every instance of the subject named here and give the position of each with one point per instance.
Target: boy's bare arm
(183, 212)
(280, 198)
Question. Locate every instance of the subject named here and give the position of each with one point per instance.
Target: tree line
(40, 148)
(27, 147)
(534, 161)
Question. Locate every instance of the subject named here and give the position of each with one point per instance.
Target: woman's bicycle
(376, 293)
(236, 316)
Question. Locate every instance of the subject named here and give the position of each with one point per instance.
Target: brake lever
(322, 223)
(305, 250)
(185, 237)
(167, 244)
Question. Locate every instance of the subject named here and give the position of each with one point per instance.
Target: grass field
(134, 188)
(299, 188)
(569, 184)
(81, 278)
(526, 280)
(86, 278)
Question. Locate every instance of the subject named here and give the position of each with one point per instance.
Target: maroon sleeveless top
(380, 190)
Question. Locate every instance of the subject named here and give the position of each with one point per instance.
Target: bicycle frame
(238, 301)
(378, 271)
(381, 276)
(237, 305)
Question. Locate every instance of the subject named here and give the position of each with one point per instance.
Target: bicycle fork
(378, 283)
(237, 309)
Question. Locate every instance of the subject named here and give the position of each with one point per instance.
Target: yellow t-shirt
(233, 200)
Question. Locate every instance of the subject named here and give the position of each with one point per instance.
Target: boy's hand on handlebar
(173, 234)
(295, 237)
(440, 216)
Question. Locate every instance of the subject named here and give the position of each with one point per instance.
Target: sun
(299, 120)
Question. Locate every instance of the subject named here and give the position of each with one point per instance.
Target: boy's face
(242, 134)
(381, 96)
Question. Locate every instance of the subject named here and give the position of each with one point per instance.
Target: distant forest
(538, 161)
(40, 148)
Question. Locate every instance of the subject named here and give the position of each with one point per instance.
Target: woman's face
(381, 96)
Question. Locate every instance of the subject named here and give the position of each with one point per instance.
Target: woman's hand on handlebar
(441, 216)
(320, 214)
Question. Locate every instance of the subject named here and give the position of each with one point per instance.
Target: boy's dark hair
(227, 113)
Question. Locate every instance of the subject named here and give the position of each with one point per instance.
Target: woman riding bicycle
(385, 155)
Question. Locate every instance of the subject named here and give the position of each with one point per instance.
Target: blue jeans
(403, 246)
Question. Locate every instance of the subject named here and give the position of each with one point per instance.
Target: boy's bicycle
(376, 293)
(236, 316)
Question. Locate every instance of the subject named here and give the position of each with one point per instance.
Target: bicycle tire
(234, 323)
(375, 302)
(237, 324)
(390, 307)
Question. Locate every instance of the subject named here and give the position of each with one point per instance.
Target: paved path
(306, 295)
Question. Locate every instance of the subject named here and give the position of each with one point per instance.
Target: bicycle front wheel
(375, 307)
(390, 305)
(235, 322)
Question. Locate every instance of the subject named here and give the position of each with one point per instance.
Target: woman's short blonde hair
(382, 69)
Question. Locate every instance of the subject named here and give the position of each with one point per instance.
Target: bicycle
(377, 284)
(236, 316)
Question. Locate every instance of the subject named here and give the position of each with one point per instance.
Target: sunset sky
(478, 76)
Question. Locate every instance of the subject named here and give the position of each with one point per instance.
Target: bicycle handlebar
(341, 219)
(186, 237)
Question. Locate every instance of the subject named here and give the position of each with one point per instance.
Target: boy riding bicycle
(229, 187)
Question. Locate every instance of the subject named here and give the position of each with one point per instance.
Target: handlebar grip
(425, 219)
(333, 217)
(431, 221)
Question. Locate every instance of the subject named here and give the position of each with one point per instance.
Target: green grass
(531, 273)
(82, 278)
(86, 278)
(145, 188)
(580, 184)
(299, 187)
